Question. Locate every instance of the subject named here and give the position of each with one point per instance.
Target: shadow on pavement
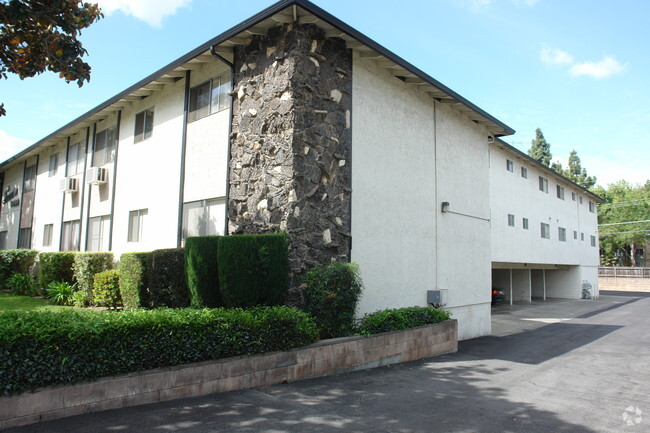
(538, 345)
(626, 293)
(610, 308)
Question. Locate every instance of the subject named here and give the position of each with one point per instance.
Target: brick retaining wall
(624, 284)
(324, 357)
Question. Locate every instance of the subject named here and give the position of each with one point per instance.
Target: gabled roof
(549, 171)
(282, 12)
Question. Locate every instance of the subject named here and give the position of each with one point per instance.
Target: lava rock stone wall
(290, 143)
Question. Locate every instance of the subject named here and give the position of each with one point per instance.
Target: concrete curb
(322, 358)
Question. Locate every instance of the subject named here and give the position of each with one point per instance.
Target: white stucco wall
(396, 220)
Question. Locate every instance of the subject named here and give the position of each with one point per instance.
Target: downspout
(20, 212)
(232, 88)
(181, 193)
(65, 176)
(435, 189)
(92, 157)
(117, 151)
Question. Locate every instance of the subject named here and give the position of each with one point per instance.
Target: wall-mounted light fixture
(445, 207)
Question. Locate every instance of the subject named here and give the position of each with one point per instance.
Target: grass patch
(25, 303)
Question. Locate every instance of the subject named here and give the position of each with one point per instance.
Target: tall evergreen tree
(540, 149)
(577, 173)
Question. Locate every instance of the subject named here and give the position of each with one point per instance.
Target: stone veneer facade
(290, 143)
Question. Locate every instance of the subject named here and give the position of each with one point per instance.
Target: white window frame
(524, 223)
(511, 220)
(592, 207)
(582, 236)
(104, 151)
(524, 172)
(70, 235)
(543, 184)
(25, 238)
(136, 225)
(53, 165)
(575, 235)
(29, 180)
(573, 196)
(593, 240)
(47, 234)
(210, 97)
(76, 159)
(98, 239)
(143, 128)
(560, 192)
(204, 229)
(510, 166)
(545, 231)
(561, 234)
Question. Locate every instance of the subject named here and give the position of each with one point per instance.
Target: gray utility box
(437, 298)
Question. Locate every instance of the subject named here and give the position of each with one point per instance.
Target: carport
(524, 281)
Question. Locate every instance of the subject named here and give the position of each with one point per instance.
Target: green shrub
(253, 269)
(22, 284)
(56, 267)
(106, 289)
(331, 297)
(80, 299)
(86, 265)
(60, 293)
(15, 262)
(166, 278)
(401, 318)
(202, 272)
(134, 286)
(48, 348)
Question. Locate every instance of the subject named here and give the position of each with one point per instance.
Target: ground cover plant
(400, 318)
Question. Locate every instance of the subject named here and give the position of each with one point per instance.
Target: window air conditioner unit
(96, 176)
(69, 184)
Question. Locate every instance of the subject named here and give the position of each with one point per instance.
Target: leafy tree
(575, 171)
(540, 149)
(38, 36)
(624, 203)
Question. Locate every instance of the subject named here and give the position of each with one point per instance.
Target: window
(511, 220)
(204, 218)
(136, 225)
(54, 165)
(525, 223)
(573, 196)
(143, 125)
(560, 192)
(70, 236)
(546, 231)
(30, 178)
(104, 147)
(76, 159)
(524, 172)
(582, 236)
(592, 207)
(543, 184)
(98, 230)
(47, 235)
(3, 240)
(25, 238)
(575, 235)
(209, 97)
(580, 199)
(510, 166)
(561, 234)
(593, 241)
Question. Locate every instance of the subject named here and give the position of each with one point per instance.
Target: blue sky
(579, 69)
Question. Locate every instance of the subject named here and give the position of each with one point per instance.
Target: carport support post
(510, 270)
(530, 285)
(544, 282)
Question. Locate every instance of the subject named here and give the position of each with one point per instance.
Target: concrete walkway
(554, 366)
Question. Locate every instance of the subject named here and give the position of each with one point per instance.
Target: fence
(623, 272)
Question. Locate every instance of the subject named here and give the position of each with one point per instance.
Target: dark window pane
(139, 127)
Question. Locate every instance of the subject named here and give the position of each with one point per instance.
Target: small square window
(575, 235)
(511, 220)
(593, 241)
(525, 223)
(580, 199)
(546, 231)
(573, 196)
(543, 184)
(143, 125)
(510, 166)
(53, 165)
(592, 207)
(560, 192)
(561, 234)
(47, 235)
(524, 172)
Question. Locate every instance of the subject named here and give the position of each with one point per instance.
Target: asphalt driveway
(555, 366)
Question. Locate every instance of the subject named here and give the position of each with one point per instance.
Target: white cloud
(9, 146)
(604, 68)
(150, 11)
(554, 56)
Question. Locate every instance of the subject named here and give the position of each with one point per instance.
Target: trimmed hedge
(253, 269)
(202, 272)
(331, 297)
(15, 262)
(56, 267)
(106, 289)
(48, 348)
(134, 285)
(166, 278)
(400, 318)
(86, 265)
